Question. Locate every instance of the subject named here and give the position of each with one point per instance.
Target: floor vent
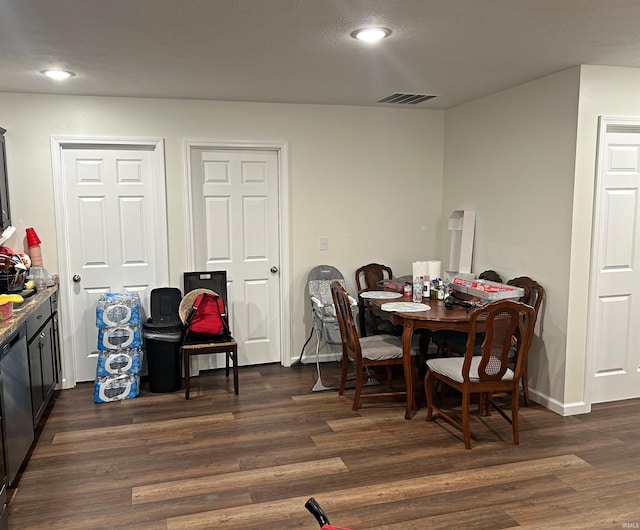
(400, 98)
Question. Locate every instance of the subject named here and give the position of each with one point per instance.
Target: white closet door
(234, 199)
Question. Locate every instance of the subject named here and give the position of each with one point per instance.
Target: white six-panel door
(614, 351)
(235, 215)
(113, 217)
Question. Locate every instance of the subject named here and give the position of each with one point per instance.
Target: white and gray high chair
(325, 323)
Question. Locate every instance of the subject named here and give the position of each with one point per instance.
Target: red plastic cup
(32, 238)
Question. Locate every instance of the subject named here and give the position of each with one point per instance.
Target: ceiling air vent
(400, 98)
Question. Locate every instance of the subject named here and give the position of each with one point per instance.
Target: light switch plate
(324, 243)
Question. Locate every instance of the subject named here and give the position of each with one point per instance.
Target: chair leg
(466, 424)
(359, 383)
(414, 380)
(423, 346)
(484, 403)
(515, 400)
(374, 324)
(226, 358)
(186, 361)
(525, 388)
(234, 358)
(343, 378)
(428, 390)
(362, 320)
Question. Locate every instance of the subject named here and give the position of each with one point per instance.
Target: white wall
(369, 179)
(510, 157)
(604, 91)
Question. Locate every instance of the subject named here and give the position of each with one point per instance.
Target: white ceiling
(300, 51)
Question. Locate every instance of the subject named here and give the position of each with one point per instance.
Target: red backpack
(207, 319)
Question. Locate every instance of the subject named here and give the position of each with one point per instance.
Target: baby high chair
(325, 323)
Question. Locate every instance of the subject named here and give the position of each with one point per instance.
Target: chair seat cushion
(382, 347)
(451, 367)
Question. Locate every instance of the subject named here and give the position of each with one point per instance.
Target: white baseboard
(563, 409)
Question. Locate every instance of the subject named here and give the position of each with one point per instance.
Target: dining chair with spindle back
(368, 278)
(490, 372)
(374, 351)
(533, 296)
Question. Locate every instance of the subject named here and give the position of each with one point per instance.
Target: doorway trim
(281, 150)
(58, 145)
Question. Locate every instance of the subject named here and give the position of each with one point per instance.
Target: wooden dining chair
(488, 373)
(533, 296)
(367, 279)
(193, 282)
(374, 351)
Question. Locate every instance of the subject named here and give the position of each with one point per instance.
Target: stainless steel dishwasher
(16, 401)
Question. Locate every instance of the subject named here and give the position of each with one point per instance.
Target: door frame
(281, 150)
(58, 145)
(604, 123)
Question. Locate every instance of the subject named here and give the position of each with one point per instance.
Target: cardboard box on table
(462, 225)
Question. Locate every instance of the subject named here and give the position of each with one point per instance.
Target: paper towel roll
(433, 269)
(420, 268)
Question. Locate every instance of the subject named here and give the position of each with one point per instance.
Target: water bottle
(417, 289)
(441, 290)
(426, 289)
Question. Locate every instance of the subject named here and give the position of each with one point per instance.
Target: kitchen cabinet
(4, 513)
(41, 341)
(29, 372)
(17, 423)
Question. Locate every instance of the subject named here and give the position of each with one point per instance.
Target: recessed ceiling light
(371, 34)
(57, 74)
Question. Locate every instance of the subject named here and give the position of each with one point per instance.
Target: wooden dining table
(436, 318)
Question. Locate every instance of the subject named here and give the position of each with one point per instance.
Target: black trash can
(162, 345)
(163, 337)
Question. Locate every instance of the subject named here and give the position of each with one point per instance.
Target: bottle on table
(426, 289)
(441, 293)
(417, 289)
(434, 289)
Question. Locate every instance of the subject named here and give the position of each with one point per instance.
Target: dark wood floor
(251, 461)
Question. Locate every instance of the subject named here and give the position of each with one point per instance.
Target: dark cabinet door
(42, 369)
(47, 357)
(35, 374)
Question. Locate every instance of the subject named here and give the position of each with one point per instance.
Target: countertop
(23, 312)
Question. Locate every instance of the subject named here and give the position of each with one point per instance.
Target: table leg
(407, 334)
